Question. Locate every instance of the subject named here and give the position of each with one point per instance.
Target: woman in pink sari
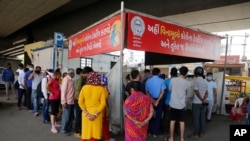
(138, 111)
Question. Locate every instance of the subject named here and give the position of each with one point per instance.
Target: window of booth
(86, 62)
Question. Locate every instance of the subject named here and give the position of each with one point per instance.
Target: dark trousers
(28, 98)
(21, 92)
(155, 122)
(67, 118)
(78, 118)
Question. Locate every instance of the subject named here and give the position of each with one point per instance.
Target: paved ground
(22, 126)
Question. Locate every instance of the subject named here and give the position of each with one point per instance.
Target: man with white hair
(67, 101)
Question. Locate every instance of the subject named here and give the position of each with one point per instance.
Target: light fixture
(19, 41)
(14, 51)
(12, 48)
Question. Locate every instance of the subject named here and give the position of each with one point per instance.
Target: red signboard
(154, 35)
(102, 38)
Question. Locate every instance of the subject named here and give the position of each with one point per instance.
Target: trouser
(209, 108)
(21, 92)
(28, 98)
(46, 117)
(9, 85)
(199, 112)
(35, 100)
(155, 122)
(105, 126)
(67, 118)
(78, 118)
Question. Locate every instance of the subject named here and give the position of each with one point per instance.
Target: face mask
(209, 78)
(37, 71)
(31, 69)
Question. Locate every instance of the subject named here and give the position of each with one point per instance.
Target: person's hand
(46, 100)
(156, 103)
(91, 117)
(215, 101)
(65, 105)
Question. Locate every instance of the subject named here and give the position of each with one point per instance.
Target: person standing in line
(212, 95)
(173, 73)
(138, 110)
(19, 70)
(21, 89)
(36, 76)
(28, 87)
(48, 75)
(155, 89)
(199, 103)
(67, 101)
(8, 78)
(92, 100)
(178, 87)
(78, 84)
(135, 74)
(54, 90)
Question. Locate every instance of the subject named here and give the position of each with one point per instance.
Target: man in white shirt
(21, 89)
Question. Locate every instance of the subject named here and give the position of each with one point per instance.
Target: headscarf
(94, 78)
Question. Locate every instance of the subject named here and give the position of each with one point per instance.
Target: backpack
(39, 89)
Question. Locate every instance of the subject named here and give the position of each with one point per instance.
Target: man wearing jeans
(199, 100)
(8, 78)
(155, 88)
(67, 101)
(36, 76)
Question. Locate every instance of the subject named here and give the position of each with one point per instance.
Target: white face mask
(209, 78)
(31, 69)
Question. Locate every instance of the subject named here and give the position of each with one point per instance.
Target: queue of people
(152, 104)
(80, 101)
(164, 103)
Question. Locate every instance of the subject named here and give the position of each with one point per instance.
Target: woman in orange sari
(138, 111)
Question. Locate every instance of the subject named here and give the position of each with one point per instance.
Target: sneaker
(36, 114)
(154, 136)
(78, 135)
(53, 130)
(18, 109)
(7, 98)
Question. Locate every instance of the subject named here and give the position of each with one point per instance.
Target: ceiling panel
(15, 14)
(234, 17)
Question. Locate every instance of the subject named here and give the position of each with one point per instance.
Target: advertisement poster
(153, 35)
(102, 38)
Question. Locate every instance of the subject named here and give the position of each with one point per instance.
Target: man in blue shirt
(155, 88)
(8, 78)
(28, 86)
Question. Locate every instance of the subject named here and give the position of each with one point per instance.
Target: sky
(236, 41)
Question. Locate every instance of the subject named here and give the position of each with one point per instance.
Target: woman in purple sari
(138, 111)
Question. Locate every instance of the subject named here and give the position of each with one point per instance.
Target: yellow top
(92, 99)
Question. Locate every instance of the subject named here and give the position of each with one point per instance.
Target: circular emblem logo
(137, 26)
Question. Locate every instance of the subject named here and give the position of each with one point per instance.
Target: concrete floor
(22, 126)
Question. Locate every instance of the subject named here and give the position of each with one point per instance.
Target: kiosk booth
(164, 43)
